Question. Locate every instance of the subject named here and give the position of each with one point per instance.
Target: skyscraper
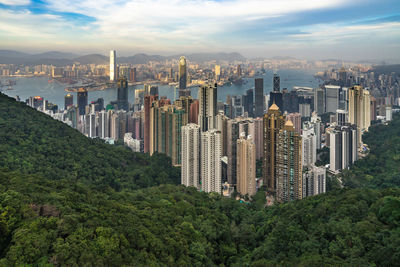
(68, 101)
(182, 74)
(309, 145)
(217, 72)
(314, 181)
(122, 100)
(148, 100)
(319, 101)
(211, 161)
(343, 142)
(207, 96)
(360, 109)
(234, 128)
(190, 170)
(82, 97)
(289, 183)
(259, 137)
(373, 108)
(246, 165)
(113, 65)
(104, 124)
(277, 83)
(273, 122)
(221, 124)
(331, 98)
(259, 101)
(248, 102)
(166, 122)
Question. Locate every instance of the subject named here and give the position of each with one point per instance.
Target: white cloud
(193, 19)
(15, 2)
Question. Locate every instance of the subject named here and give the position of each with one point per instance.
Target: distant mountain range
(62, 59)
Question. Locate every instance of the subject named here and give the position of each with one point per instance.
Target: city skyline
(302, 29)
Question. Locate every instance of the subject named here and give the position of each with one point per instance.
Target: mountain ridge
(62, 58)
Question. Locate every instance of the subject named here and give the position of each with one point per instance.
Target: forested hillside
(95, 211)
(33, 143)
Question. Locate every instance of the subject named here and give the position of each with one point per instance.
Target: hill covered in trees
(84, 203)
(33, 143)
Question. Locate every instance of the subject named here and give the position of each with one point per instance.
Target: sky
(309, 29)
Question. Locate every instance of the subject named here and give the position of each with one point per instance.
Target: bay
(54, 92)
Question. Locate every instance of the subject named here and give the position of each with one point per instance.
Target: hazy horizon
(332, 29)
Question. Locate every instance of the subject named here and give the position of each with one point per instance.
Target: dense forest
(84, 203)
(33, 143)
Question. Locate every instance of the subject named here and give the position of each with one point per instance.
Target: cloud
(177, 18)
(170, 26)
(15, 2)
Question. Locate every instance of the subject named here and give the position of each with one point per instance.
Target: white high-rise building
(103, 124)
(316, 124)
(343, 150)
(309, 145)
(190, 169)
(211, 161)
(389, 112)
(314, 181)
(93, 125)
(113, 65)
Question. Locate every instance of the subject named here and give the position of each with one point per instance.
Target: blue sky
(344, 29)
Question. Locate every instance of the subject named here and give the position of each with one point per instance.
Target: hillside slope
(33, 143)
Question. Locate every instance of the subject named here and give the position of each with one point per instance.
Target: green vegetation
(381, 168)
(33, 143)
(322, 156)
(94, 210)
(64, 223)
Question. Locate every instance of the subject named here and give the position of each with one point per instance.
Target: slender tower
(211, 161)
(113, 66)
(246, 165)
(207, 107)
(273, 122)
(182, 74)
(289, 179)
